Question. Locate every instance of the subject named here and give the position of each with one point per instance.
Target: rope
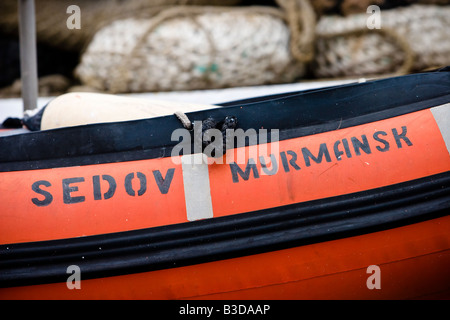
(301, 20)
(229, 122)
(187, 124)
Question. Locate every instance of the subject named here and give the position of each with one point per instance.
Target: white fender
(80, 108)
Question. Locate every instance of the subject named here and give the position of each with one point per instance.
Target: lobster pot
(187, 48)
(410, 39)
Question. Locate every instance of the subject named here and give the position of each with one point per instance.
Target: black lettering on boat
(292, 160)
(48, 198)
(68, 189)
(273, 162)
(337, 153)
(358, 145)
(129, 187)
(97, 189)
(376, 136)
(236, 170)
(346, 148)
(323, 151)
(402, 136)
(164, 183)
(104, 187)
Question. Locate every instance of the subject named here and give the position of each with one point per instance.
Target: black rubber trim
(227, 237)
(294, 114)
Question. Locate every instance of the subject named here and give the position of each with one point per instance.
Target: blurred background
(134, 46)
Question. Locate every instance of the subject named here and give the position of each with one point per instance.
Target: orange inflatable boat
(334, 193)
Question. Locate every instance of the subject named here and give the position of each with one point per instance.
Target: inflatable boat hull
(345, 196)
